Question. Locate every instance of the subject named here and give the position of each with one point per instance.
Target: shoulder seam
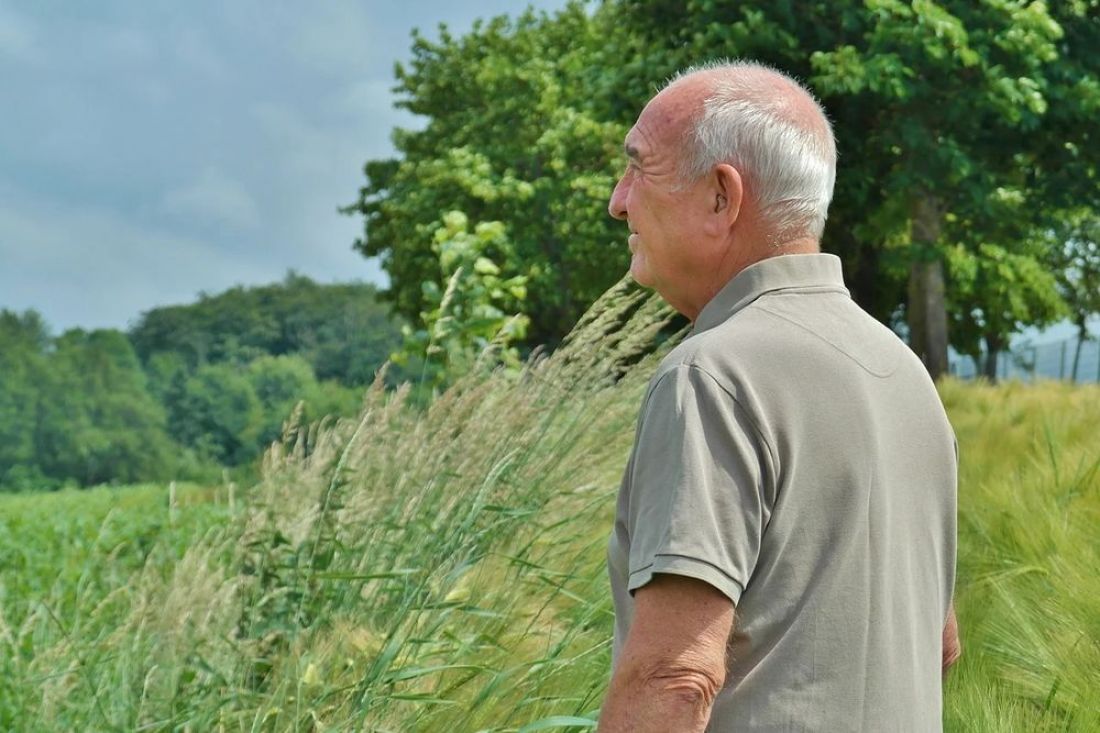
(772, 456)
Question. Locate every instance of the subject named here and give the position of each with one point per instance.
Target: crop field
(442, 569)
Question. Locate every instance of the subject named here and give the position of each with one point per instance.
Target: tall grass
(73, 566)
(443, 569)
(1029, 557)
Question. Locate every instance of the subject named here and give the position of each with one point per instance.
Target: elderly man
(783, 553)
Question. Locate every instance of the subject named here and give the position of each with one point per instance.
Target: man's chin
(639, 274)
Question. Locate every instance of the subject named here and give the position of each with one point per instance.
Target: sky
(150, 151)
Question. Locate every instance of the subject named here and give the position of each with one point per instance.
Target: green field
(443, 569)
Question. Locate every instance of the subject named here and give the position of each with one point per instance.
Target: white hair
(788, 157)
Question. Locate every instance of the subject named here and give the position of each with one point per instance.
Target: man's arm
(952, 647)
(673, 662)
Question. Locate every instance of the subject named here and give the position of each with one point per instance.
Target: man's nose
(617, 205)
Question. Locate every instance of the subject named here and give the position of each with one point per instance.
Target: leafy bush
(475, 318)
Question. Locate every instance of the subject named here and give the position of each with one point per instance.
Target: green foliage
(75, 408)
(980, 113)
(474, 319)
(229, 414)
(95, 421)
(75, 562)
(219, 414)
(23, 342)
(341, 330)
(1074, 258)
(279, 383)
(219, 379)
(514, 133)
(996, 292)
(282, 383)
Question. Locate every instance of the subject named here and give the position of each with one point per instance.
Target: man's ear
(729, 192)
(725, 191)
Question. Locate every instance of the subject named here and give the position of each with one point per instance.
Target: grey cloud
(213, 198)
(90, 266)
(17, 35)
(153, 150)
(337, 36)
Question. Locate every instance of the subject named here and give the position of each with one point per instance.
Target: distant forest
(189, 390)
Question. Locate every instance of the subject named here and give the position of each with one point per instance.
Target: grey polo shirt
(793, 453)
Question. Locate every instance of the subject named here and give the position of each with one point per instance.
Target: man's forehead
(661, 122)
(642, 137)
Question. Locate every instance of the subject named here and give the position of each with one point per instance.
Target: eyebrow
(632, 152)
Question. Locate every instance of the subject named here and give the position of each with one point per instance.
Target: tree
(83, 408)
(940, 110)
(219, 415)
(959, 124)
(995, 293)
(475, 312)
(279, 383)
(1075, 259)
(342, 329)
(515, 133)
(24, 339)
(97, 422)
(272, 344)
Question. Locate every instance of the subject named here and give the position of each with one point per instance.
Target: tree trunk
(927, 313)
(993, 346)
(1082, 334)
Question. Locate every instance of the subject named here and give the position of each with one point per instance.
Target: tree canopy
(342, 330)
(513, 134)
(191, 389)
(965, 135)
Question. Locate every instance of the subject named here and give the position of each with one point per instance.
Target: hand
(952, 647)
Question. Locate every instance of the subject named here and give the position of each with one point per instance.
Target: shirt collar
(782, 272)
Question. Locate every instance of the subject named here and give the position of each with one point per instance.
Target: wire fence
(1028, 362)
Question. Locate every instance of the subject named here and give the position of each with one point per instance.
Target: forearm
(677, 702)
(674, 660)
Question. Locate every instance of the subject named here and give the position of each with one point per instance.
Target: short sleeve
(696, 503)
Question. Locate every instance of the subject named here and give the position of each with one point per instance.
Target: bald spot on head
(673, 111)
(757, 84)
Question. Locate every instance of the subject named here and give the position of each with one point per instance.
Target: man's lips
(632, 240)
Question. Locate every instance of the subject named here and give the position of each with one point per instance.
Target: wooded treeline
(967, 194)
(188, 389)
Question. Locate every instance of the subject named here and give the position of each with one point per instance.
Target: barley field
(442, 569)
